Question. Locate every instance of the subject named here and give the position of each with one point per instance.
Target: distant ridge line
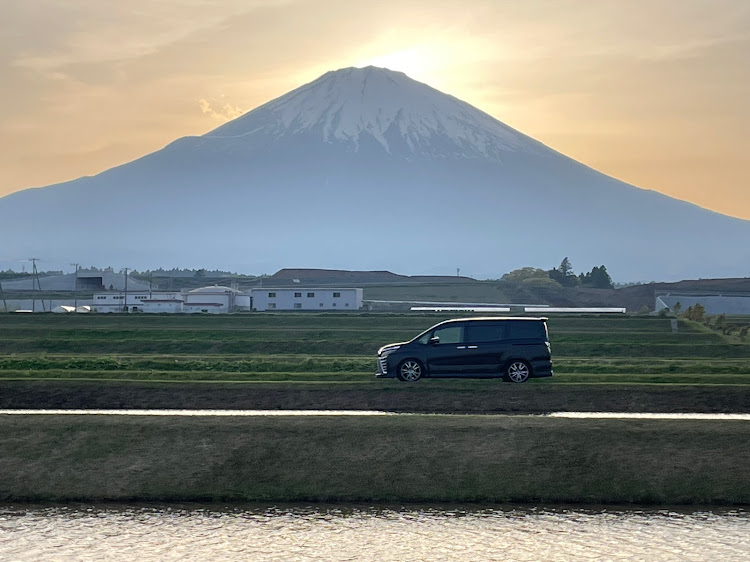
(322, 276)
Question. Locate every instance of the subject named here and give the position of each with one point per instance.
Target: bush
(541, 283)
(696, 313)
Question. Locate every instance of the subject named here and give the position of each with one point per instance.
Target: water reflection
(193, 413)
(364, 533)
(649, 416)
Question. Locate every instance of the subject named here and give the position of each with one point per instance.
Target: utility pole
(35, 277)
(5, 304)
(75, 289)
(126, 289)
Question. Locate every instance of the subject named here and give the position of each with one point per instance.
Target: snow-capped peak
(404, 116)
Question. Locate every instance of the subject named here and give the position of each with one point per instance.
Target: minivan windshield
(450, 333)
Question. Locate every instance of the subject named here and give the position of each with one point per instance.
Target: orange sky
(656, 93)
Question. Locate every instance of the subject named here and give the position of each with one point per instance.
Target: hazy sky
(653, 92)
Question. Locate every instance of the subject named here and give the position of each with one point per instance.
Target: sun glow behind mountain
(445, 64)
(420, 62)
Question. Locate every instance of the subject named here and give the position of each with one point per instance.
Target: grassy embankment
(388, 459)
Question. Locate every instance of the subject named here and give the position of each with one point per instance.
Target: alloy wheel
(518, 371)
(410, 370)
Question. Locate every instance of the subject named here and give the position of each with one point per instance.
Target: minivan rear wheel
(518, 371)
(410, 370)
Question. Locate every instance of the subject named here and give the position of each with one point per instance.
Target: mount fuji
(369, 169)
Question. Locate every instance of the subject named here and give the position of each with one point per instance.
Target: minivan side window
(449, 334)
(527, 330)
(485, 332)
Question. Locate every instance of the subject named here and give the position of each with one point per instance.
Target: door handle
(461, 347)
(472, 347)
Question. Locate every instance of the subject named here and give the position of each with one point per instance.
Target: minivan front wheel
(410, 370)
(518, 371)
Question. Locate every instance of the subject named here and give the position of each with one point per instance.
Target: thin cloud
(110, 32)
(223, 113)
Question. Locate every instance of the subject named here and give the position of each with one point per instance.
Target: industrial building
(297, 298)
(136, 301)
(216, 299)
(210, 300)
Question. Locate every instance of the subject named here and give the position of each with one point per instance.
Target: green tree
(544, 283)
(721, 321)
(597, 277)
(565, 268)
(564, 274)
(696, 312)
(699, 312)
(600, 278)
(518, 275)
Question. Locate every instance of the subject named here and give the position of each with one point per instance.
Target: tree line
(564, 275)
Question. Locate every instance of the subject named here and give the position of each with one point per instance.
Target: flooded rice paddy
(197, 532)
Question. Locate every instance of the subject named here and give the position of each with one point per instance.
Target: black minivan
(512, 348)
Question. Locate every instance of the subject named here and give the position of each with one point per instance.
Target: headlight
(387, 350)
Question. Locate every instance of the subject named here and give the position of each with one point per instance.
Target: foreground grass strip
(186, 376)
(338, 364)
(262, 363)
(368, 378)
(390, 458)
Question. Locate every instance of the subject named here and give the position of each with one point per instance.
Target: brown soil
(419, 398)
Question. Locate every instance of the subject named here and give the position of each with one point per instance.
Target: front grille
(383, 362)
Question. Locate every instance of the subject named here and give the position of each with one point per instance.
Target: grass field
(622, 363)
(331, 348)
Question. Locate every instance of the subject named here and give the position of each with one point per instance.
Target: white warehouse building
(296, 298)
(216, 299)
(136, 301)
(211, 300)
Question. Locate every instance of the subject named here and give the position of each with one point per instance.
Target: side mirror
(434, 340)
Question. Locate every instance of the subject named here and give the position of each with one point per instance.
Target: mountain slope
(368, 169)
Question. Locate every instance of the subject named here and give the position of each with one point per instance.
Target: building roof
(215, 289)
(303, 289)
